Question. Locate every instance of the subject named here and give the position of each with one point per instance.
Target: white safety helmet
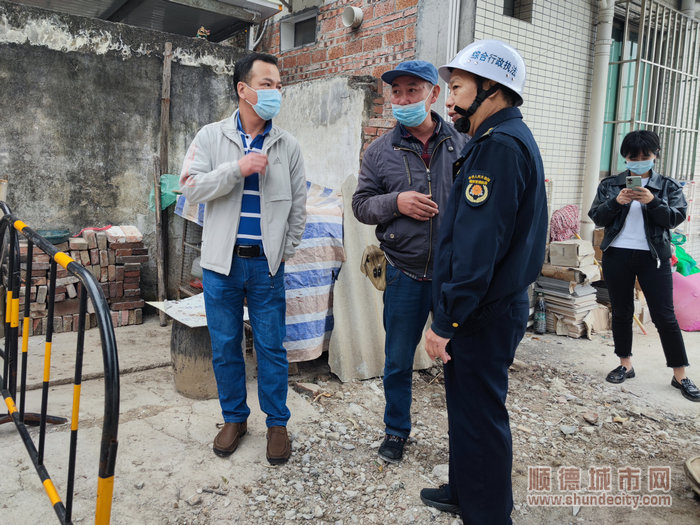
(493, 60)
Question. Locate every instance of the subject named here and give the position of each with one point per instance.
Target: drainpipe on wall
(594, 138)
(452, 36)
(688, 8)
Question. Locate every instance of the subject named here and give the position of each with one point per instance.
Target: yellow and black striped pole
(25, 329)
(89, 290)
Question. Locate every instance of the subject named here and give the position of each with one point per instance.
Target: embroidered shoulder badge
(479, 186)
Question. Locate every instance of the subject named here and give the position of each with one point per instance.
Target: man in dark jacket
(404, 182)
(491, 248)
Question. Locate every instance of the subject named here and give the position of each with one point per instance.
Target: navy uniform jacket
(493, 233)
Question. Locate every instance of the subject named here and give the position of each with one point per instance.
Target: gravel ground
(559, 417)
(562, 415)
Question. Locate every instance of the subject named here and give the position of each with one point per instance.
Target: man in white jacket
(250, 174)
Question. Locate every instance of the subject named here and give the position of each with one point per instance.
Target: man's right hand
(416, 205)
(252, 163)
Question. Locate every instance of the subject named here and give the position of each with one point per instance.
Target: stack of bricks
(114, 258)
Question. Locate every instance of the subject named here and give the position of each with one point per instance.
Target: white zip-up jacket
(210, 174)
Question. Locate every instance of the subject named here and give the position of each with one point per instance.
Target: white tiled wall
(558, 51)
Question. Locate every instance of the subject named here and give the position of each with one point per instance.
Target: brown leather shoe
(226, 441)
(279, 449)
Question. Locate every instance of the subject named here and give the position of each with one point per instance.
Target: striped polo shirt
(249, 232)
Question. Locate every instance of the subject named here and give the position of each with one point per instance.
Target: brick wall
(114, 257)
(386, 37)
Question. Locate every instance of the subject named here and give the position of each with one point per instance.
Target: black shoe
(687, 388)
(440, 499)
(392, 448)
(619, 375)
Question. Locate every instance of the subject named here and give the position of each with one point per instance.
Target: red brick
(335, 52)
(383, 8)
(89, 236)
(410, 33)
(122, 252)
(328, 25)
(132, 292)
(125, 245)
(103, 274)
(77, 243)
(394, 37)
(104, 258)
(404, 4)
(320, 55)
(126, 305)
(354, 47)
(132, 259)
(95, 256)
(139, 251)
(304, 59)
(71, 306)
(371, 43)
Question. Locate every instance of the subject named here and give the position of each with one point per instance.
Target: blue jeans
(407, 303)
(223, 300)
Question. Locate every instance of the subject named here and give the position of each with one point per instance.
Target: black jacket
(393, 164)
(666, 211)
(494, 229)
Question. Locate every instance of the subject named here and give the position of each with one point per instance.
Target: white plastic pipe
(452, 36)
(596, 118)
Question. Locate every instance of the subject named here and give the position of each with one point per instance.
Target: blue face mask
(411, 115)
(639, 167)
(269, 102)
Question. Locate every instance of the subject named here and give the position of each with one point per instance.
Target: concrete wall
(80, 116)
(333, 112)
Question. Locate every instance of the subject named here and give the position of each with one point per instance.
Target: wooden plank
(159, 245)
(164, 162)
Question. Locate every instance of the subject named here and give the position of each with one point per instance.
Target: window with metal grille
(654, 83)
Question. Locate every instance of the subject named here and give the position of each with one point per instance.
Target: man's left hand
(436, 346)
(642, 195)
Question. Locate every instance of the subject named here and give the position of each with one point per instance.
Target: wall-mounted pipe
(596, 115)
(452, 36)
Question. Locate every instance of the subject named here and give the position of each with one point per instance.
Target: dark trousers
(476, 385)
(620, 267)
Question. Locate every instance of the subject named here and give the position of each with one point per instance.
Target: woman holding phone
(638, 208)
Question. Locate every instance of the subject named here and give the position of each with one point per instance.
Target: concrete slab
(597, 357)
(164, 438)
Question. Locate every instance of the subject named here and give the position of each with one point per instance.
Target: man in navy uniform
(491, 248)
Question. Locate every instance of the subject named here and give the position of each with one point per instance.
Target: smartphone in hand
(634, 182)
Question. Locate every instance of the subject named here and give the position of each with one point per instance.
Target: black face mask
(462, 124)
